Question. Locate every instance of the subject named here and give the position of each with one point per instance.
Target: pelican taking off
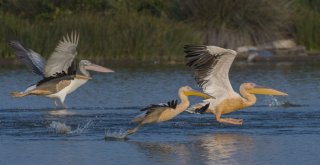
(61, 74)
(164, 112)
(211, 65)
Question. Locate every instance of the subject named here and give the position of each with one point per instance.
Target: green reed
(149, 30)
(307, 23)
(233, 23)
(121, 35)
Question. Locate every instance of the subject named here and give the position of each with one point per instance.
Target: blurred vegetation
(155, 29)
(306, 23)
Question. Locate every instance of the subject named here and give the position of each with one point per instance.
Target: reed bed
(149, 30)
(123, 35)
(306, 23)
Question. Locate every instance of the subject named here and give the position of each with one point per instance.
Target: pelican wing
(170, 104)
(63, 55)
(54, 85)
(31, 59)
(152, 113)
(70, 74)
(211, 65)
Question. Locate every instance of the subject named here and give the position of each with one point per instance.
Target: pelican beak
(266, 91)
(197, 93)
(98, 68)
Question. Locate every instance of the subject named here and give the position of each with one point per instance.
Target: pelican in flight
(156, 113)
(211, 65)
(61, 74)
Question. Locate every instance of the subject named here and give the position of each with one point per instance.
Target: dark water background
(276, 130)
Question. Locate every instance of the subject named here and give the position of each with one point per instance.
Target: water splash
(82, 129)
(60, 128)
(115, 134)
(274, 102)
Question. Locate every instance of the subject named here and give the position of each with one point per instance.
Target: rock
(279, 44)
(245, 49)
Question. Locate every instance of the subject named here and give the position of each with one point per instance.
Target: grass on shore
(150, 30)
(124, 35)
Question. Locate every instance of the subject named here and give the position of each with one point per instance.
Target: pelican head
(87, 65)
(188, 91)
(253, 88)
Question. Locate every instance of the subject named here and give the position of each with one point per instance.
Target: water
(276, 130)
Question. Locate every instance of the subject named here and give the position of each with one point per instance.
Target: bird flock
(62, 74)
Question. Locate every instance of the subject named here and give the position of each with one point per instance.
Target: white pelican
(211, 65)
(164, 112)
(61, 75)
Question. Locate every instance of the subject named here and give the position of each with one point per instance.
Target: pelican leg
(18, 94)
(235, 120)
(228, 120)
(133, 130)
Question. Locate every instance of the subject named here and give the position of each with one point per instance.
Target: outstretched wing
(31, 59)
(211, 65)
(170, 104)
(63, 55)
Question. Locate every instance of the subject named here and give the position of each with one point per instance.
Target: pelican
(164, 112)
(211, 65)
(61, 74)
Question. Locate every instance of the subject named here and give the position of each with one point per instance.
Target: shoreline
(274, 60)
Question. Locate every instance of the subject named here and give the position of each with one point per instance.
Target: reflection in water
(207, 149)
(61, 112)
(223, 148)
(166, 153)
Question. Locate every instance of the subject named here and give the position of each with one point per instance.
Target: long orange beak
(197, 93)
(266, 91)
(98, 68)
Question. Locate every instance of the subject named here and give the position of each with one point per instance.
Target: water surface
(277, 130)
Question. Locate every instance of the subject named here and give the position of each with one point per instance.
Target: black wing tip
(144, 109)
(150, 106)
(11, 42)
(194, 50)
(56, 76)
(14, 44)
(203, 109)
(193, 47)
(171, 104)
